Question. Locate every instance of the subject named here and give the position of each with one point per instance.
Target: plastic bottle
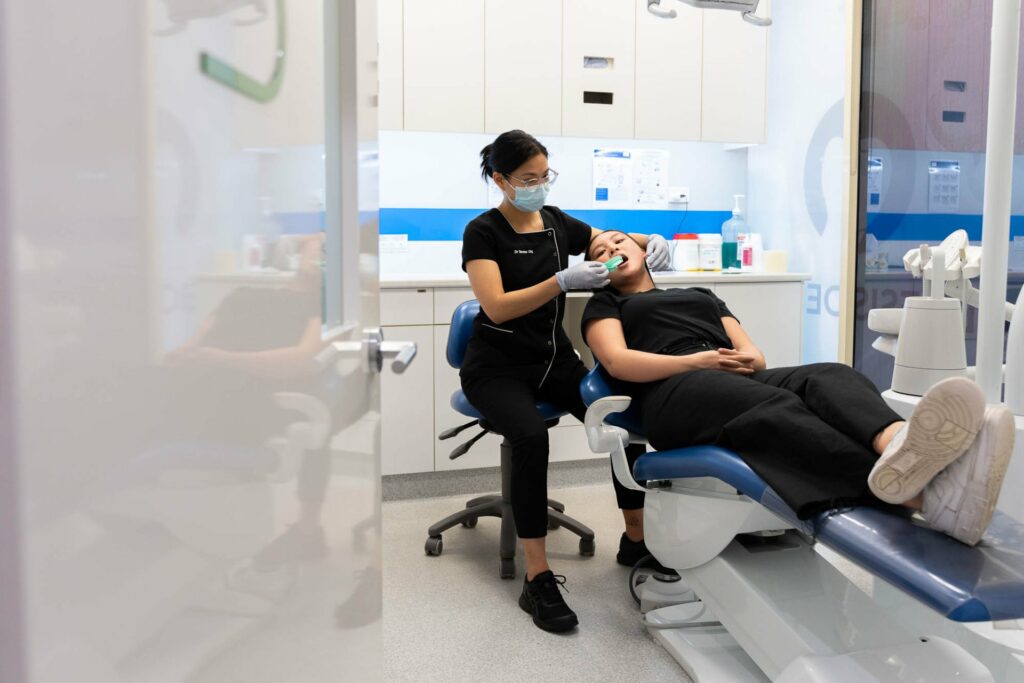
(752, 253)
(710, 246)
(685, 252)
(731, 230)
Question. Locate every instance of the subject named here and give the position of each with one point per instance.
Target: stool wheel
(553, 524)
(470, 523)
(587, 547)
(507, 568)
(433, 546)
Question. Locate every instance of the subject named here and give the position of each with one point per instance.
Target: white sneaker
(961, 499)
(940, 430)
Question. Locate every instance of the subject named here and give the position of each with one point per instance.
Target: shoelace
(548, 589)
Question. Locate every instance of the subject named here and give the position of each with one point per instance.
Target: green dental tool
(613, 263)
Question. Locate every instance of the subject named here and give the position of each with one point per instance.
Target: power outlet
(678, 195)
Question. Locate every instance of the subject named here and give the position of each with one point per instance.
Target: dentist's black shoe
(543, 600)
(631, 552)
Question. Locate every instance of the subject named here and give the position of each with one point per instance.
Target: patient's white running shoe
(961, 499)
(941, 428)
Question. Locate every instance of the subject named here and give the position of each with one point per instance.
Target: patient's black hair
(509, 151)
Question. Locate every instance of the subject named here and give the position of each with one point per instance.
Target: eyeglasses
(548, 178)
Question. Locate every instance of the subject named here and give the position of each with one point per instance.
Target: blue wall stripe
(448, 224)
(930, 227)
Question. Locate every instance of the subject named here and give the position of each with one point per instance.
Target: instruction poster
(943, 186)
(630, 178)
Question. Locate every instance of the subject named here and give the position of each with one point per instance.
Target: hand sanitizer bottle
(731, 230)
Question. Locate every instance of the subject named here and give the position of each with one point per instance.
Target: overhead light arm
(747, 8)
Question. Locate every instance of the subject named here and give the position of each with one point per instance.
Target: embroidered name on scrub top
(524, 259)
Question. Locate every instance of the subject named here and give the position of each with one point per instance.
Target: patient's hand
(739, 362)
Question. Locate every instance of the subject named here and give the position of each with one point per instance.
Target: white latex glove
(658, 255)
(585, 275)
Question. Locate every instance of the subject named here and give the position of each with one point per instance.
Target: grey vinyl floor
(451, 618)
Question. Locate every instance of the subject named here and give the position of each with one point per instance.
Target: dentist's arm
(607, 342)
(501, 306)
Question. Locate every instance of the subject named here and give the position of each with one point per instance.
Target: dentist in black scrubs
(516, 256)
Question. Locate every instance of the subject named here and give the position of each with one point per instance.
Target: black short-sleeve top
(671, 322)
(524, 259)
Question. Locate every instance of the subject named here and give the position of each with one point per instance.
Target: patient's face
(612, 243)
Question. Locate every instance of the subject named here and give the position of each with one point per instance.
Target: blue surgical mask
(530, 198)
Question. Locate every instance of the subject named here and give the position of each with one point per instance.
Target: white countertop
(455, 280)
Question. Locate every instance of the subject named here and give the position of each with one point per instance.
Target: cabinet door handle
(593, 97)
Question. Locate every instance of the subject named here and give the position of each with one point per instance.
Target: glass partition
(924, 111)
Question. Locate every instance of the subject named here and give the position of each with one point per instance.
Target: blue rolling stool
(494, 505)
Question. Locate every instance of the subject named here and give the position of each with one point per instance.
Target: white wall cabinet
(390, 48)
(523, 66)
(443, 59)
(598, 48)
(668, 74)
(734, 78)
(589, 68)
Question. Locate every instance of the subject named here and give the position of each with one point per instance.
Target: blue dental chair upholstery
(495, 505)
(965, 584)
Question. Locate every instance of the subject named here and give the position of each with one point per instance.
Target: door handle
(403, 353)
(373, 350)
(377, 350)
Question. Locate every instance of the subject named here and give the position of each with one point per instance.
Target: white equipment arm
(746, 7)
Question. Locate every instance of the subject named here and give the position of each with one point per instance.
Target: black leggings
(805, 430)
(508, 403)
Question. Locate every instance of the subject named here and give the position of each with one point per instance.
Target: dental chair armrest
(606, 438)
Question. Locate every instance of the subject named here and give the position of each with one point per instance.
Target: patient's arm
(742, 342)
(606, 340)
(284, 363)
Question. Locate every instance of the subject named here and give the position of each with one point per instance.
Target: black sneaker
(543, 599)
(631, 552)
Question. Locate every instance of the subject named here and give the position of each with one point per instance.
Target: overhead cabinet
(443, 61)
(734, 78)
(523, 66)
(587, 68)
(599, 45)
(668, 74)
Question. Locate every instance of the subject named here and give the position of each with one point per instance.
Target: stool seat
(461, 404)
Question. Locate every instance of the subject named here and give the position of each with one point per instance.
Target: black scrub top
(672, 322)
(535, 341)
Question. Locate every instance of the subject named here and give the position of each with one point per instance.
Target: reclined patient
(819, 435)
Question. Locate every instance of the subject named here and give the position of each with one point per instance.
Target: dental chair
(494, 505)
(756, 602)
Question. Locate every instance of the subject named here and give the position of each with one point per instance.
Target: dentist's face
(612, 243)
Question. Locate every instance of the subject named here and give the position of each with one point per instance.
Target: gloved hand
(585, 275)
(658, 255)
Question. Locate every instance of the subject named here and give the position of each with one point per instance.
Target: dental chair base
(784, 613)
(780, 604)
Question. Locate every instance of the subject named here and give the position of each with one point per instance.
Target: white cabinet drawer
(406, 306)
(446, 301)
